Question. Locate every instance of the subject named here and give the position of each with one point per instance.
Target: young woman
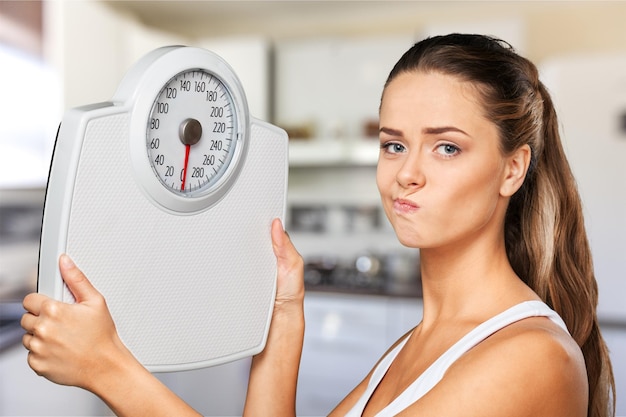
(471, 172)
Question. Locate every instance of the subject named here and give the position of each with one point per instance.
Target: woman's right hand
(71, 344)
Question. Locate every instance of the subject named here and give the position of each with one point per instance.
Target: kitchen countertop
(408, 291)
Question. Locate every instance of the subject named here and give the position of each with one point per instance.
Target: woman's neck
(469, 283)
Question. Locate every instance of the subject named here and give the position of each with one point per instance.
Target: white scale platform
(189, 276)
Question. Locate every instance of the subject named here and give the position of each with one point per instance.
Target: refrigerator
(589, 92)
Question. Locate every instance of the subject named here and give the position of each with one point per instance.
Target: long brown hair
(545, 236)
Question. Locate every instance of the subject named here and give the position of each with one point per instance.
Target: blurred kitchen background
(317, 70)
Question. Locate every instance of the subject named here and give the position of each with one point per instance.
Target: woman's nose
(411, 173)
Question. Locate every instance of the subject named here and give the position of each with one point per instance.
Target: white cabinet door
(334, 84)
(345, 336)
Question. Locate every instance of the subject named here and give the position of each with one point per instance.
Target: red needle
(187, 147)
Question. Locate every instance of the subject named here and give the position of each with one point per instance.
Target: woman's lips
(404, 206)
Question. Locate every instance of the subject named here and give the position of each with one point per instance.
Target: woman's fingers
(32, 303)
(290, 267)
(26, 339)
(28, 323)
(76, 281)
(286, 254)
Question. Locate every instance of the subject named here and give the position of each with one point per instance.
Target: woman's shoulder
(537, 342)
(540, 344)
(531, 367)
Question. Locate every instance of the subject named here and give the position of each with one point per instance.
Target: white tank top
(433, 374)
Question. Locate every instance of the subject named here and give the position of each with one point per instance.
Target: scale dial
(189, 127)
(191, 132)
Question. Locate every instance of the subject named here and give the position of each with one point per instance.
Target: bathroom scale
(164, 197)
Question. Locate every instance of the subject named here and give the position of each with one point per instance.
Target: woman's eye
(392, 147)
(447, 149)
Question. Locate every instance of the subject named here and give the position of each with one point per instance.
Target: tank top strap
(433, 374)
(376, 377)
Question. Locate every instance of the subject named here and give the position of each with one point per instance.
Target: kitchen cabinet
(91, 45)
(23, 393)
(345, 336)
(338, 152)
(215, 391)
(333, 84)
(249, 56)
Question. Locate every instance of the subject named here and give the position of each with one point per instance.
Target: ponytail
(553, 257)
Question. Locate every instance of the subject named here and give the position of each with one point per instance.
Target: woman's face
(440, 170)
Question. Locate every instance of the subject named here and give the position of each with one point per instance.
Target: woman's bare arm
(274, 372)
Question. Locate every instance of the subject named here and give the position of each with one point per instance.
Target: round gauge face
(192, 132)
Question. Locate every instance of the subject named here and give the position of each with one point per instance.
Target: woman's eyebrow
(390, 131)
(425, 131)
(442, 129)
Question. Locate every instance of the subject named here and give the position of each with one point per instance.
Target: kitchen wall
(119, 32)
(316, 68)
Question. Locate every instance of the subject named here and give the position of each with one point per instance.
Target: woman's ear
(515, 171)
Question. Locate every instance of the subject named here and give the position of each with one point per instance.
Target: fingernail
(67, 262)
